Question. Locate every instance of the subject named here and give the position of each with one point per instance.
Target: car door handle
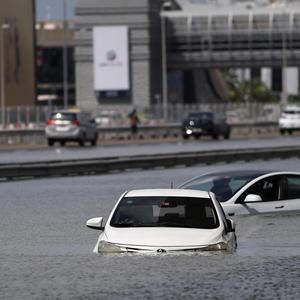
(282, 206)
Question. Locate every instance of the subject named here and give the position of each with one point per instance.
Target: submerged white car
(164, 220)
(251, 191)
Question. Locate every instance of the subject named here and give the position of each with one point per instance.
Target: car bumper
(68, 135)
(196, 131)
(228, 244)
(289, 125)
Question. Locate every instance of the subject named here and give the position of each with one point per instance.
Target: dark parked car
(205, 124)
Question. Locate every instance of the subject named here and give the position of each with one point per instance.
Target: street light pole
(65, 58)
(4, 26)
(284, 93)
(164, 65)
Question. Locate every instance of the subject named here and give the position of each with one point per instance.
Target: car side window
(293, 187)
(267, 189)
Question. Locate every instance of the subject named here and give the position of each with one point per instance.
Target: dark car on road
(205, 124)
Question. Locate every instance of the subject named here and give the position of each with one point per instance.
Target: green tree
(247, 90)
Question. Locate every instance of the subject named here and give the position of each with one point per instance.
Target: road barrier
(106, 165)
(37, 135)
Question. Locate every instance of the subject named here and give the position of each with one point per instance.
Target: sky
(53, 9)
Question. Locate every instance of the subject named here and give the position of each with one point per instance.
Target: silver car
(251, 191)
(64, 126)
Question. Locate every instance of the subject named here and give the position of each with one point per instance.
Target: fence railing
(36, 136)
(235, 113)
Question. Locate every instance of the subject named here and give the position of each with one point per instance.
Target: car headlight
(217, 247)
(189, 131)
(106, 247)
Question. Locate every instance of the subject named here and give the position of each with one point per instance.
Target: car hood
(164, 237)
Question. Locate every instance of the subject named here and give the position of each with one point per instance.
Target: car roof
(201, 113)
(65, 112)
(252, 173)
(237, 172)
(292, 108)
(167, 192)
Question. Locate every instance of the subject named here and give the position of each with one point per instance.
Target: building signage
(111, 62)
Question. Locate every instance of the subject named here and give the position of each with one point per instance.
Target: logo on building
(111, 55)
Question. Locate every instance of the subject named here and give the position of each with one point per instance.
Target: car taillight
(50, 122)
(75, 122)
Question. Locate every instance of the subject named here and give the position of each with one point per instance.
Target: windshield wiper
(123, 225)
(165, 224)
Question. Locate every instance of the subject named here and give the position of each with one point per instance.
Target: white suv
(289, 120)
(63, 126)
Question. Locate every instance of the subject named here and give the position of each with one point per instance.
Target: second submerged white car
(164, 220)
(249, 192)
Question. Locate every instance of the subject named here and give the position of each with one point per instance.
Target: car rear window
(224, 185)
(63, 116)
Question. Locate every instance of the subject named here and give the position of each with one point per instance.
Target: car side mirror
(252, 198)
(95, 223)
(230, 225)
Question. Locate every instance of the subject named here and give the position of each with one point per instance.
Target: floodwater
(46, 250)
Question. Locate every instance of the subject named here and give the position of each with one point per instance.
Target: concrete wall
(17, 49)
(143, 21)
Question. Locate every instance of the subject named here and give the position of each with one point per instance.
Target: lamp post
(284, 93)
(165, 6)
(65, 58)
(4, 26)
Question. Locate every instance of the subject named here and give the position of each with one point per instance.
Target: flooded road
(46, 250)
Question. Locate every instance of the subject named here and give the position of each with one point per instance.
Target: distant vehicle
(76, 126)
(165, 220)
(205, 124)
(251, 192)
(289, 120)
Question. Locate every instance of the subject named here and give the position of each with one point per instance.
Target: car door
(290, 193)
(268, 189)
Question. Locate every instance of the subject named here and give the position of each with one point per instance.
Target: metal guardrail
(37, 135)
(111, 164)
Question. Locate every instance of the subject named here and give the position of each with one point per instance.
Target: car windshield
(223, 185)
(292, 112)
(185, 212)
(63, 116)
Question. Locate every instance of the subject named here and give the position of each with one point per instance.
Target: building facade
(55, 67)
(177, 48)
(17, 50)
(142, 20)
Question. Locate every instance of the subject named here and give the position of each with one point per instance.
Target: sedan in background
(251, 192)
(165, 220)
(205, 124)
